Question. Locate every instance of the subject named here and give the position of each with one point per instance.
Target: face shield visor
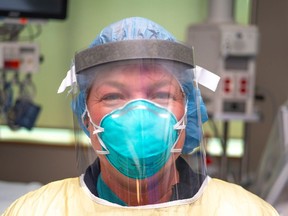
(138, 116)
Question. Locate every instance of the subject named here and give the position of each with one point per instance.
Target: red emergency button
(243, 90)
(243, 86)
(227, 87)
(12, 64)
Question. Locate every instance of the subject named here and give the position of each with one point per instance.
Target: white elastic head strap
(206, 78)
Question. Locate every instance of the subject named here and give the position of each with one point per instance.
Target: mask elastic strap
(180, 125)
(102, 152)
(97, 129)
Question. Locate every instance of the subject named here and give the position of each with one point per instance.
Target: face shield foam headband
(139, 137)
(125, 50)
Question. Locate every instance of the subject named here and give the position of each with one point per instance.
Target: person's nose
(139, 95)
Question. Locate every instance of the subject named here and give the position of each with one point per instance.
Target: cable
(31, 34)
(11, 32)
(215, 130)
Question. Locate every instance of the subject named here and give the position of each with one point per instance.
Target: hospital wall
(86, 19)
(271, 73)
(59, 41)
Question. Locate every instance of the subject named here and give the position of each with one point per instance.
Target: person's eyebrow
(163, 83)
(111, 83)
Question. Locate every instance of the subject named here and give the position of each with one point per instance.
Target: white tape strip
(206, 78)
(68, 80)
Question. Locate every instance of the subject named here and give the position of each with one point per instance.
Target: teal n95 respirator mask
(139, 137)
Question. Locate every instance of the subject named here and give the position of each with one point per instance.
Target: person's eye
(112, 97)
(162, 96)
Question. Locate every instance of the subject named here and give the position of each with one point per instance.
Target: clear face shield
(138, 117)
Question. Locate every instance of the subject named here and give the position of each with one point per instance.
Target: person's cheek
(178, 110)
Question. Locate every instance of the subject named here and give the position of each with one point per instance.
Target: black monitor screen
(41, 9)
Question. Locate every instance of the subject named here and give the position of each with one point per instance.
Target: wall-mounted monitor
(34, 9)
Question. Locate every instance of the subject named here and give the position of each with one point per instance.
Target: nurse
(137, 93)
(136, 99)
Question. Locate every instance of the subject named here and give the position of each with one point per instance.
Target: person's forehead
(134, 71)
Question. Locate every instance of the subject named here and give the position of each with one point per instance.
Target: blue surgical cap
(141, 28)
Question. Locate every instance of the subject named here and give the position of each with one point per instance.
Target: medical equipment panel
(19, 56)
(229, 50)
